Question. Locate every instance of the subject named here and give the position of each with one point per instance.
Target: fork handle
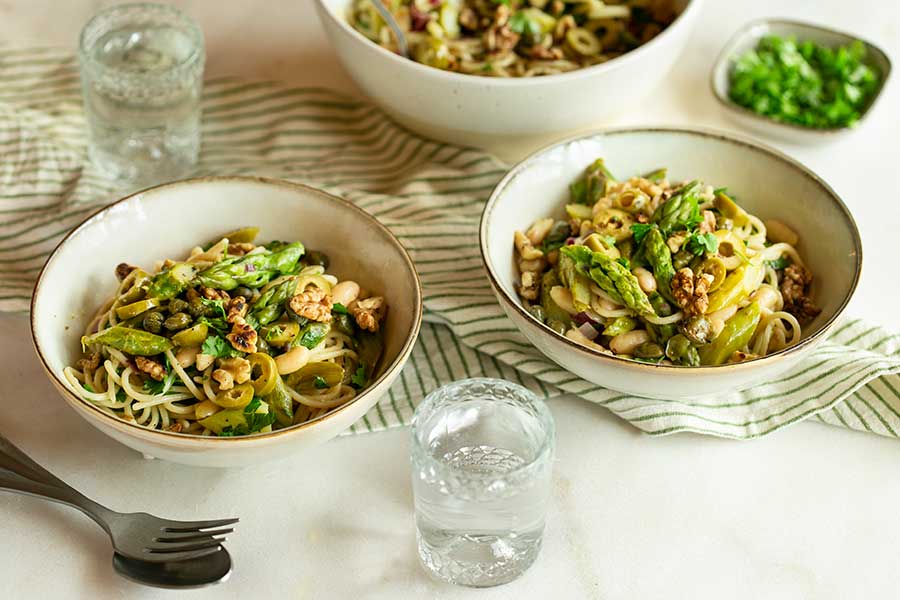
(19, 473)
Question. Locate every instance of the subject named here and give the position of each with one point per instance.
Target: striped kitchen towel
(430, 194)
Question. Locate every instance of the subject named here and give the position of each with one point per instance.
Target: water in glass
(482, 456)
(141, 79)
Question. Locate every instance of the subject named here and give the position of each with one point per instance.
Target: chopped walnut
(151, 367)
(240, 248)
(468, 19)
(525, 248)
(557, 7)
(214, 294)
(236, 309)
(89, 363)
(175, 427)
(314, 304)
(795, 291)
(243, 337)
(540, 52)
(708, 224)
(499, 37)
(369, 312)
(529, 286)
(231, 371)
(690, 292)
(123, 270)
(641, 218)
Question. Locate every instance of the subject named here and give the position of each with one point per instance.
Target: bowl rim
(701, 132)
(691, 8)
(728, 50)
(192, 439)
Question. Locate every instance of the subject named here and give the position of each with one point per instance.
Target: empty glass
(482, 454)
(141, 78)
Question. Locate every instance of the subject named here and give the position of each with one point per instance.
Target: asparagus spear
(657, 254)
(133, 341)
(736, 334)
(681, 211)
(252, 270)
(626, 284)
(270, 304)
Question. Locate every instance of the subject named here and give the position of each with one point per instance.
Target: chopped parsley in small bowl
(799, 81)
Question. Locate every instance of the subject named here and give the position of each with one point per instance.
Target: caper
(557, 326)
(243, 291)
(537, 311)
(697, 329)
(682, 259)
(196, 308)
(177, 305)
(177, 322)
(648, 350)
(153, 322)
(314, 257)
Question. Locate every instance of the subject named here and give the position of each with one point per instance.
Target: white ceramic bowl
(470, 109)
(766, 183)
(168, 220)
(747, 38)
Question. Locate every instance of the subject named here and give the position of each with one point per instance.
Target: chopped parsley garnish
(255, 421)
(699, 243)
(157, 388)
(804, 83)
(360, 379)
(219, 324)
(779, 263)
(319, 383)
(218, 347)
(521, 24)
(639, 230)
(657, 175)
(216, 307)
(274, 331)
(339, 309)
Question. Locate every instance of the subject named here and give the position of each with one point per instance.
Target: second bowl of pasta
(669, 263)
(224, 321)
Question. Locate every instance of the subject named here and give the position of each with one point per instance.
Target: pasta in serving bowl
(627, 282)
(237, 350)
(578, 85)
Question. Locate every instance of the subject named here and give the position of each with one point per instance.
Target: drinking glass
(482, 454)
(141, 79)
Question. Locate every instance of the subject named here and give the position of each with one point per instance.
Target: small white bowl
(766, 183)
(747, 38)
(473, 110)
(168, 220)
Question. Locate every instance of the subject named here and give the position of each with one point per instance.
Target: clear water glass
(482, 455)
(141, 79)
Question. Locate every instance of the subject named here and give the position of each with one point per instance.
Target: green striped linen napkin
(430, 194)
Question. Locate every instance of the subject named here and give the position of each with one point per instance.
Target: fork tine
(175, 547)
(187, 526)
(179, 556)
(191, 535)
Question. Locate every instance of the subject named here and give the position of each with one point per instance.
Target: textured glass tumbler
(482, 455)
(141, 79)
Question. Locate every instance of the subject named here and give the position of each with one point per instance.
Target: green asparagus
(681, 211)
(620, 325)
(171, 282)
(132, 341)
(626, 284)
(736, 334)
(270, 304)
(593, 187)
(657, 254)
(252, 270)
(573, 277)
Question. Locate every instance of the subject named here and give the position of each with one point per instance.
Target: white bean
(292, 360)
(563, 298)
(645, 279)
(203, 361)
(187, 356)
(345, 292)
(625, 343)
(779, 232)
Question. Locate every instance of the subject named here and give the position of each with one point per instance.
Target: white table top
(804, 513)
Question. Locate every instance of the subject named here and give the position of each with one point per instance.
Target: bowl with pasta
(223, 321)
(670, 263)
(483, 69)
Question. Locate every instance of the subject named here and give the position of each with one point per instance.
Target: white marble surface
(806, 513)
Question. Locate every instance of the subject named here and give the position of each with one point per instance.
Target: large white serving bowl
(168, 220)
(471, 109)
(765, 182)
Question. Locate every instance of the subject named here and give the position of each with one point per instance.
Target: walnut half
(314, 304)
(369, 312)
